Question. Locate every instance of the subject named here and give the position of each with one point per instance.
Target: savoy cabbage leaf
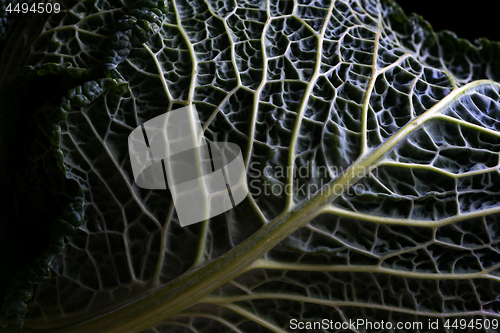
(372, 152)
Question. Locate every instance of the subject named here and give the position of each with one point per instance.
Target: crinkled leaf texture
(400, 224)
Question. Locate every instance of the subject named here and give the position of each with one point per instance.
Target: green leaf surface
(372, 152)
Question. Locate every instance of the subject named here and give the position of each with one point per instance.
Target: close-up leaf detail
(372, 152)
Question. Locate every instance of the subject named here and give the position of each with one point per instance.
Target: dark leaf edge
(142, 22)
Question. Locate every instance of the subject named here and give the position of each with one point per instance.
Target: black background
(468, 19)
